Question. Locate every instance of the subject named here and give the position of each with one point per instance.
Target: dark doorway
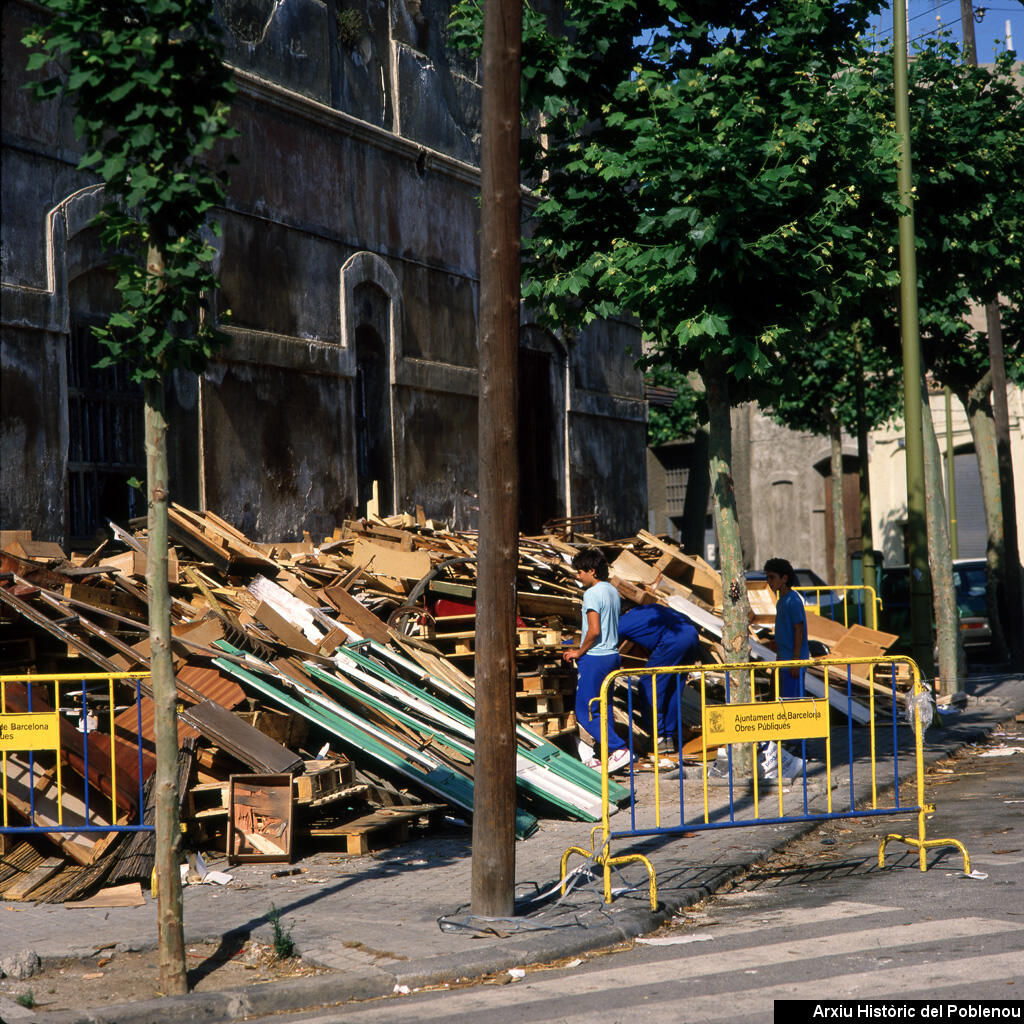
(851, 513)
(105, 439)
(373, 422)
(539, 441)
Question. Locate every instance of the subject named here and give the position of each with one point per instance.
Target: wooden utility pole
(493, 883)
(917, 536)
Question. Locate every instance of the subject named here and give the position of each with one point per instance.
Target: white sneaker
(618, 760)
(585, 750)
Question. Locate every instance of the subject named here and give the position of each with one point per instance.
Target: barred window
(105, 438)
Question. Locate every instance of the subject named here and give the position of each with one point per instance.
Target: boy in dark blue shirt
(671, 639)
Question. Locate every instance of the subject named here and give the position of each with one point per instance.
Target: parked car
(970, 576)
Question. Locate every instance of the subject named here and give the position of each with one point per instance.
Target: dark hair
(591, 559)
(782, 568)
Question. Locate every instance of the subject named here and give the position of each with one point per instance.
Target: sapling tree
(150, 95)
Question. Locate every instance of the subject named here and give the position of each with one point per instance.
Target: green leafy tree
(838, 380)
(683, 174)
(842, 375)
(150, 95)
(683, 416)
(969, 158)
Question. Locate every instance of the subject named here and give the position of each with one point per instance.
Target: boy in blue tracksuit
(598, 652)
(790, 625)
(671, 639)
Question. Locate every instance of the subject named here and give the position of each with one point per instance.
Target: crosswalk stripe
(916, 981)
(928, 981)
(831, 911)
(533, 1000)
(792, 949)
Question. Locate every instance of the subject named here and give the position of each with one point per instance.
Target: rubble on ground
(325, 688)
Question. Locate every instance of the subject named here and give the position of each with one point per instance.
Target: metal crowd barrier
(864, 593)
(741, 720)
(40, 746)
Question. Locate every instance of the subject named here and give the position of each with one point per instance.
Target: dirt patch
(107, 977)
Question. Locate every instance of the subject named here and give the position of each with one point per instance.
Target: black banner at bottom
(798, 1011)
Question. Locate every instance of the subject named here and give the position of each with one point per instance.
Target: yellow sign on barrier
(776, 720)
(23, 732)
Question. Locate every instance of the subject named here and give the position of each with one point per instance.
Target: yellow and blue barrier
(37, 751)
(746, 710)
(860, 595)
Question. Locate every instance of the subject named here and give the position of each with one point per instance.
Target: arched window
(370, 311)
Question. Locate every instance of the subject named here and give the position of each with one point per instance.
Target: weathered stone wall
(349, 264)
(779, 477)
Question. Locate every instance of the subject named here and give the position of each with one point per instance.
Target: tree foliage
(969, 160)
(151, 99)
(683, 416)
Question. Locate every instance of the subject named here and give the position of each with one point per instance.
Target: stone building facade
(349, 263)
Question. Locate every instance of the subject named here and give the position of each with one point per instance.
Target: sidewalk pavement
(401, 917)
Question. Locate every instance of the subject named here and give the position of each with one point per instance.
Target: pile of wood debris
(325, 689)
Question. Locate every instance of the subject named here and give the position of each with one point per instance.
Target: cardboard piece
(402, 565)
(127, 895)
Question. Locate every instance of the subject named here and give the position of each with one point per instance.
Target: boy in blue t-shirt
(790, 645)
(790, 624)
(598, 652)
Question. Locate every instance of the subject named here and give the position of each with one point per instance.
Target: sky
(989, 33)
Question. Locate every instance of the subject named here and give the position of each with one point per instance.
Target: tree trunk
(1011, 601)
(840, 557)
(736, 608)
(940, 560)
(979, 415)
(170, 929)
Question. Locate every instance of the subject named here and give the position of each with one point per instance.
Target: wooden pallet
(389, 826)
(543, 702)
(323, 780)
(550, 725)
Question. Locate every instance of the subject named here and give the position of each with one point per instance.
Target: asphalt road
(819, 920)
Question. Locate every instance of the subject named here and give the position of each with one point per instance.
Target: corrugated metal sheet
(213, 685)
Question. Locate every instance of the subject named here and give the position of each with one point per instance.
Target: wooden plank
(201, 632)
(79, 846)
(631, 591)
(43, 550)
(127, 895)
(284, 630)
(689, 570)
(633, 569)
(362, 620)
(543, 605)
(824, 630)
(34, 878)
(872, 636)
(249, 745)
(387, 827)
